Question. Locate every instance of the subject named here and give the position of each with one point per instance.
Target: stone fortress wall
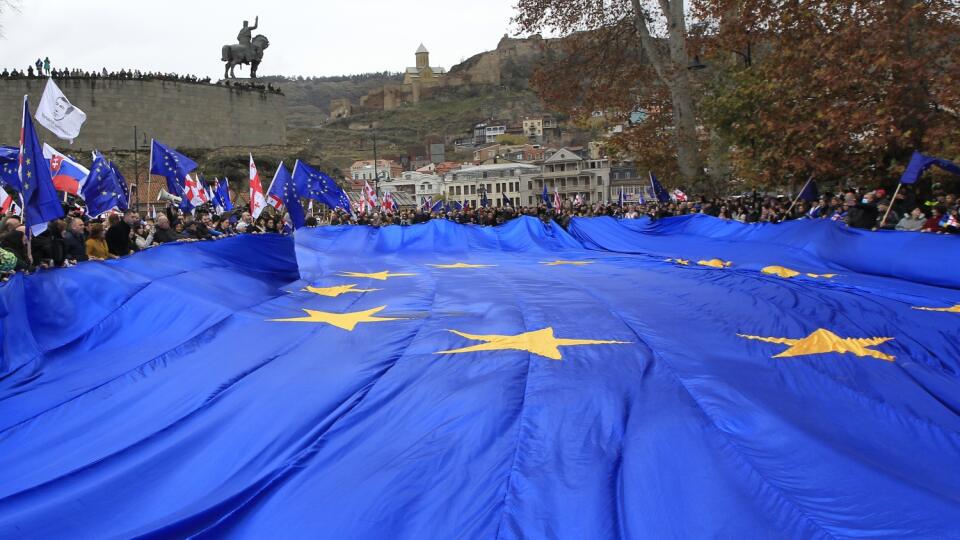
(179, 114)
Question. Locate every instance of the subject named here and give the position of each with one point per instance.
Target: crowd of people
(76, 238)
(42, 68)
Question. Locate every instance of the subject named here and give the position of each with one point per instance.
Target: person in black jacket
(164, 233)
(118, 235)
(74, 240)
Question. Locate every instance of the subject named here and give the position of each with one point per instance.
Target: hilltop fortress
(422, 80)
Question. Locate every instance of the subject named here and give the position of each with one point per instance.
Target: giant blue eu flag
(684, 378)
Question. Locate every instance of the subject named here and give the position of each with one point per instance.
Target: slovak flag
(67, 174)
(388, 203)
(369, 196)
(557, 202)
(679, 195)
(257, 201)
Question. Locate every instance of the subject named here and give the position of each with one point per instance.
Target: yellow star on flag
(541, 342)
(346, 321)
(715, 263)
(823, 341)
(559, 262)
(382, 276)
(684, 262)
(787, 273)
(952, 309)
(461, 265)
(337, 290)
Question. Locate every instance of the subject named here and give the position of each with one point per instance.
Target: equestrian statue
(247, 51)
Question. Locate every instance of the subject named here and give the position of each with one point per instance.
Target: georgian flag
(195, 192)
(388, 203)
(369, 196)
(679, 196)
(578, 200)
(257, 201)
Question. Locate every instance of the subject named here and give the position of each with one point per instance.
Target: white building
(569, 175)
(496, 180)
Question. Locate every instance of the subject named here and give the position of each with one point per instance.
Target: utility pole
(376, 175)
(136, 165)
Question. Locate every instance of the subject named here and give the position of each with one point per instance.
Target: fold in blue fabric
(685, 378)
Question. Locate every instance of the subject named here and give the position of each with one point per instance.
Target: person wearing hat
(892, 218)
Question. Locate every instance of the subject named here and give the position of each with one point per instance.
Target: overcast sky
(325, 37)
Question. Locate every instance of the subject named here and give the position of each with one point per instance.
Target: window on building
(563, 183)
(586, 181)
(530, 200)
(498, 188)
(458, 190)
(488, 189)
(574, 182)
(473, 189)
(451, 190)
(599, 180)
(530, 184)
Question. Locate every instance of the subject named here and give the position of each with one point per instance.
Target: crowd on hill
(76, 238)
(42, 69)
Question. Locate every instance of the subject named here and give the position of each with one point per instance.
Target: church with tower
(423, 71)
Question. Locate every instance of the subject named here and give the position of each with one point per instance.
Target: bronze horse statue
(235, 55)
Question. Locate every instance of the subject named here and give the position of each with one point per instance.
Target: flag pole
(797, 198)
(889, 206)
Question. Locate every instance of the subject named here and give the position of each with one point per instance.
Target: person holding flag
(257, 200)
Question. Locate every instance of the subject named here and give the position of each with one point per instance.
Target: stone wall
(181, 115)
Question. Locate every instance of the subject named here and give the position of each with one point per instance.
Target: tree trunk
(672, 71)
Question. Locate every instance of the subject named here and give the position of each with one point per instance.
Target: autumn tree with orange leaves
(842, 90)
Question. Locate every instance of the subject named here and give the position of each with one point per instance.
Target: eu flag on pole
(484, 201)
(124, 188)
(175, 167)
(546, 197)
(102, 192)
(8, 167)
(316, 185)
(920, 163)
(221, 196)
(437, 206)
(283, 188)
(36, 187)
(810, 192)
(507, 201)
(658, 191)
